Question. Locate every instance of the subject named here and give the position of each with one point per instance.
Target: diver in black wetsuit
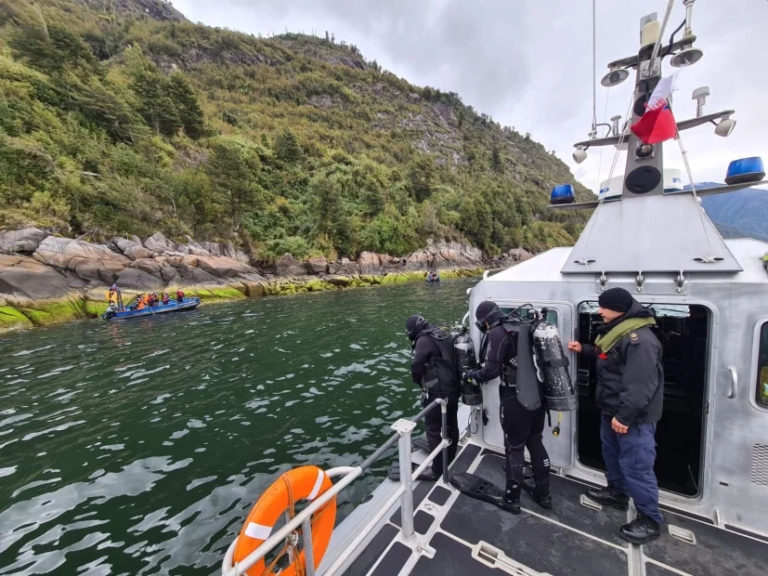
(522, 427)
(433, 368)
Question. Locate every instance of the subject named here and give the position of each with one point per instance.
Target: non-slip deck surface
(570, 540)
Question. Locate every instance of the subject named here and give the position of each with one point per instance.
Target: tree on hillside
(421, 175)
(156, 105)
(287, 147)
(187, 107)
(232, 169)
(53, 50)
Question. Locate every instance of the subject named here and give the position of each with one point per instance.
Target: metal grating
(759, 474)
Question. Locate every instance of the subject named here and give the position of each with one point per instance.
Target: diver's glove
(467, 377)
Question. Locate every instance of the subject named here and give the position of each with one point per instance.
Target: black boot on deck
(641, 530)
(609, 497)
(512, 501)
(541, 496)
(512, 493)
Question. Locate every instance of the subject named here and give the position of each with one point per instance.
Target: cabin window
(526, 313)
(762, 368)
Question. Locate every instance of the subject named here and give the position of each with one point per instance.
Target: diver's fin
(476, 487)
(394, 472)
(420, 442)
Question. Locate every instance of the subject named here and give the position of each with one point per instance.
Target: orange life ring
(303, 483)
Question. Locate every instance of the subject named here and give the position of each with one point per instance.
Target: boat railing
(403, 437)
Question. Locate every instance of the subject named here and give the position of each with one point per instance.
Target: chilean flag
(658, 123)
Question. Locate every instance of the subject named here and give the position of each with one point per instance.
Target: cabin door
(740, 439)
(684, 331)
(559, 446)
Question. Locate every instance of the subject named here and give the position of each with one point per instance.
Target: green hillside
(120, 117)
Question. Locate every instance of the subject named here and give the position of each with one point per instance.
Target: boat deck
(457, 534)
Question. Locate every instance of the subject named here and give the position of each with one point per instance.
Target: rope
(661, 31)
(684, 154)
(287, 546)
(594, 70)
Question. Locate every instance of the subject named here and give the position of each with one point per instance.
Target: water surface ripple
(139, 447)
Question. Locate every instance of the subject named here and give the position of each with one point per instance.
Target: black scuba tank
(471, 393)
(552, 365)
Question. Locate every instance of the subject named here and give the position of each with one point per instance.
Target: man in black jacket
(434, 369)
(522, 427)
(630, 392)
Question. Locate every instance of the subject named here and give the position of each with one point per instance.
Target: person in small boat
(166, 298)
(630, 393)
(433, 367)
(179, 295)
(522, 427)
(112, 296)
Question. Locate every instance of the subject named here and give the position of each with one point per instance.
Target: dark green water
(139, 447)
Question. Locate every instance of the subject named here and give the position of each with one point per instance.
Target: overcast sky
(528, 63)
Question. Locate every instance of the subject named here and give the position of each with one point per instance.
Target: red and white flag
(658, 123)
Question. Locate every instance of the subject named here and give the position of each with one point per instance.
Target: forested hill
(120, 117)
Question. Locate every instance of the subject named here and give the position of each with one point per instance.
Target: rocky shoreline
(46, 279)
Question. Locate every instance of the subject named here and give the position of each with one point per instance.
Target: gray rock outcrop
(91, 262)
(24, 241)
(60, 264)
(287, 265)
(24, 276)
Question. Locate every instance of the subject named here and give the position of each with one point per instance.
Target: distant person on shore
(630, 392)
(433, 367)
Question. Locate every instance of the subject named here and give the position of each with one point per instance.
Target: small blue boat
(139, 307)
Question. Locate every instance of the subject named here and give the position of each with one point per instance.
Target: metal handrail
(351, 473)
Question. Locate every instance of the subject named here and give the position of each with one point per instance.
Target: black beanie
(616, 299)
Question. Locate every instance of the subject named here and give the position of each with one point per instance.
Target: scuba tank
(471, 393)
(552, 365)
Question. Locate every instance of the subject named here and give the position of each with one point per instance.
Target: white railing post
(404, 428)
(309, 556)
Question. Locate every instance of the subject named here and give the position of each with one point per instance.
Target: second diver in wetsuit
(522, 427)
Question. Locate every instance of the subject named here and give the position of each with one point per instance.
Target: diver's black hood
(489, 312)
(415, 326)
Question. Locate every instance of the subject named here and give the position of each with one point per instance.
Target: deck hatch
(759, 473)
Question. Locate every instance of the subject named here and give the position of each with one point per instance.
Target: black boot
(609, 497)
(512, 493)
(512, 499)
(539, 494)
(641, 530)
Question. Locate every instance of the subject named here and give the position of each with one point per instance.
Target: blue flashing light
(562, 194)
(745, 170)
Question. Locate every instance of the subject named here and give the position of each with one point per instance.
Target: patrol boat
(709, 296)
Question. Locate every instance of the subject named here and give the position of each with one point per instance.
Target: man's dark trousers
(629, 460)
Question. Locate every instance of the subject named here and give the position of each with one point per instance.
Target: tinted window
(762, 368)
(526, 313)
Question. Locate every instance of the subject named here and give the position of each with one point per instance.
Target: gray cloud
(528, 63)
